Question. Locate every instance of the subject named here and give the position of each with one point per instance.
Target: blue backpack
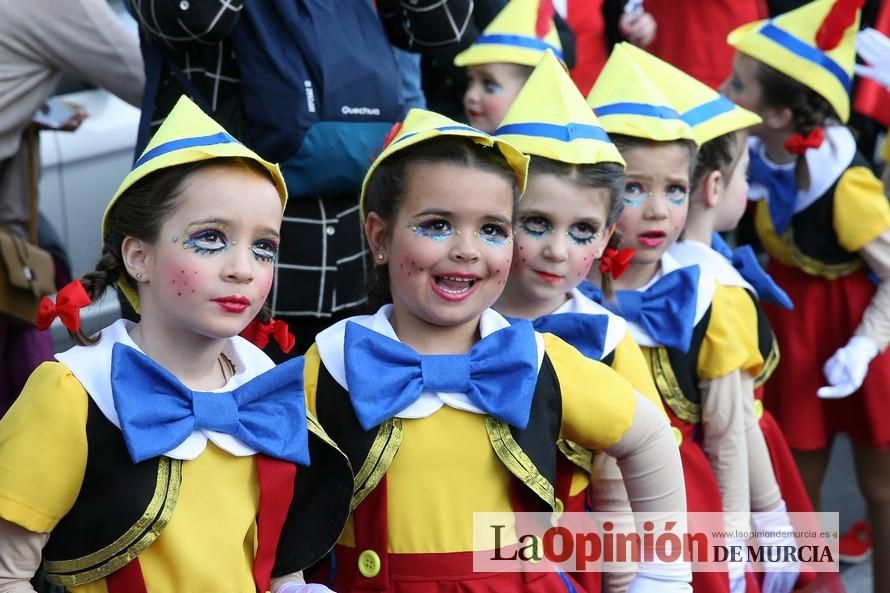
(320, 89)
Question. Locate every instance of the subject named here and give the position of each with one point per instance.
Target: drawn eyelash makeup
(206, 241)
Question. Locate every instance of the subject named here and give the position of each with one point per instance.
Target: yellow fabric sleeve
(630, 363)
(597, 403)
(861, 211)
(730, 342)
(43, 449)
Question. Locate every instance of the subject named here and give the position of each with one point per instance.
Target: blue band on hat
(518, 41)
(807, 52)
(636, 109)
(707, 111)
(566, 133)
(181, 143)
(456, 128)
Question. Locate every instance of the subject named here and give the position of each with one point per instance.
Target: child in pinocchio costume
(444, 407)
(823, 219)
(718, 199)
(697, 336)
(566, 218)
(163, 455)
(501, 59)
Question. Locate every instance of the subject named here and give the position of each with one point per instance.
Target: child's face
(491, 89)
(212, 267)
(449, 248)
(734, 198)
(561, 232)
(742, 86)
(656, 199)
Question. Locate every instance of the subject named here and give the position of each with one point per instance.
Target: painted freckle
(179, 293)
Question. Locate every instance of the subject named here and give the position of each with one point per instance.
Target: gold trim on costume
(769, 365)
(515, 459)
(136, 539)
(577, 454)
(669, 387)
(813, 266)
(380, 456)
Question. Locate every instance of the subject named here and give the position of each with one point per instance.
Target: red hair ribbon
(258, 334)
(798, 144)
(840, 17)
(545, 14)
(616, 262)
(69, 301)
(390, 136)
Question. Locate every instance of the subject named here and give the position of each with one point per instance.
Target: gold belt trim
(383, 450)
(515, 459)
(577, 454)
(769, 365)
(669, 387)
(120, 552)
(813, 266)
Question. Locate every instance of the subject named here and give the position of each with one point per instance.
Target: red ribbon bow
(258, 334)
(798, 144)
(69, 301)
(616, 261)
(546, 11)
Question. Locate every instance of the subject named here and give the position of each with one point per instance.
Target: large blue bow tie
(586, 332)
(666, 310)
(782, 187)
(745, 261)
(498, 374)
(157, 412)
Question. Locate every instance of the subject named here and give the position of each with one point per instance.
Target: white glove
(846, 370)
(736, 569)
(645, 583)
(302, 588)
(874, 48)
(780, 576)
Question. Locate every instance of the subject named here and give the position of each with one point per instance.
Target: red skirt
(825, 315)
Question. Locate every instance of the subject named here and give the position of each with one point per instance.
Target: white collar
(707, 285)
(825, 165)
(579, 303)
(91, 365)
(331, 343)
(690, 253)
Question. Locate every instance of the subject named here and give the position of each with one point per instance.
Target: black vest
(529, 454)
(676, 374)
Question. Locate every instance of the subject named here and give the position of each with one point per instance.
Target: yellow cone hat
(800, 44)
(512, 38)
(550, 118)
(421, 125)
(187, 135)
(626, 99)
(709, 113)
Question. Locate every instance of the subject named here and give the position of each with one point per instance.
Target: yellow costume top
(446, 468)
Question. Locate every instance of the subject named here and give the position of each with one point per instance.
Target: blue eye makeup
(634, 194)
(582, 233)
(676, 194)
(206, 241)
(437, 229)
(265, 250)
(536, 226)
(491, 87)
(495, 235)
